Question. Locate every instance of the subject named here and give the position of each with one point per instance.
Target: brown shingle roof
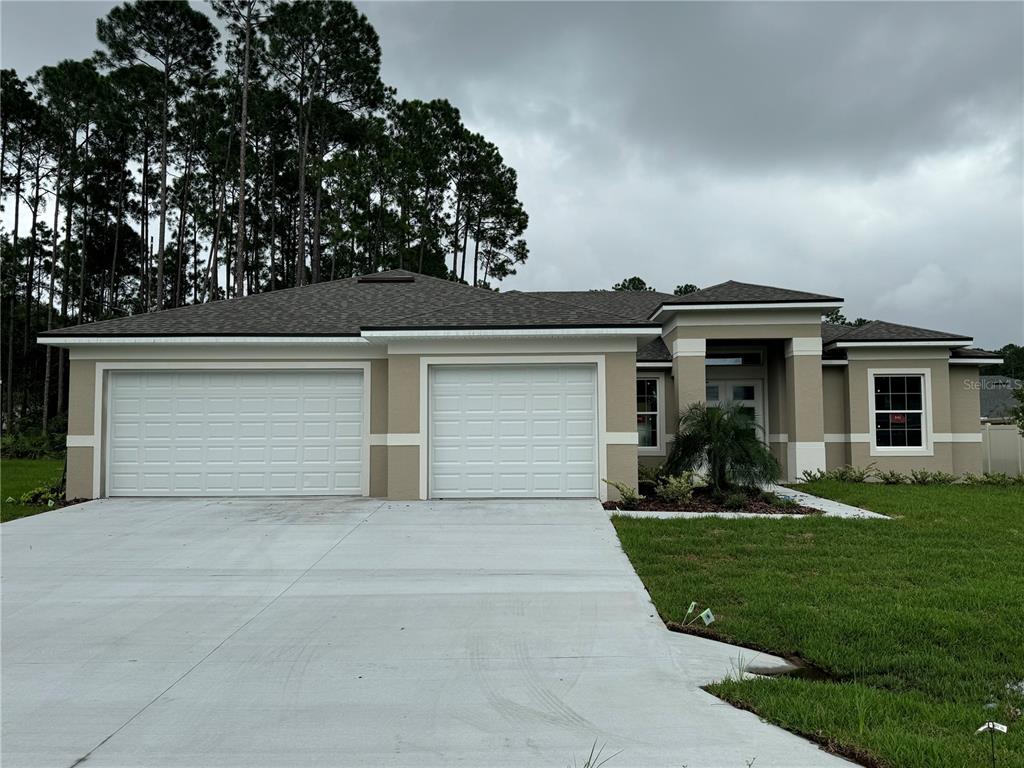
(732, 292)
(880, 330)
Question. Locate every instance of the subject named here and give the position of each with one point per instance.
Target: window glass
(711, 392)
(743, 392)
(647, 412)
(732, 358)
(899, 411)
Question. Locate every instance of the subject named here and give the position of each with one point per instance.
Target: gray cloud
(873, 150)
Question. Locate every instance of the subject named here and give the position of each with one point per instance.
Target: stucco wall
(394, 409)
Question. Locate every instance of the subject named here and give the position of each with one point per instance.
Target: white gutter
(975, 361)
(949, 343)
(474, 333)
(74, 341)
(823, 306)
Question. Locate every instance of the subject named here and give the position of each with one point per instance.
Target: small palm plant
(722, 441)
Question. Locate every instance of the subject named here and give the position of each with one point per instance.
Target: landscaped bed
(706, 502)
(917, 624)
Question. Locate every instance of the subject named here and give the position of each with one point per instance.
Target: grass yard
(918, 620)
(18, 476)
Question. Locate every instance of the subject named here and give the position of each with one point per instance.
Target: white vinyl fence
(1002, 449)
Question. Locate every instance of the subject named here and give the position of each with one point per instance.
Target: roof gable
(733, 292)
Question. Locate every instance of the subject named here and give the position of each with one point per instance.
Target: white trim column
(805, 451)
(688, 359)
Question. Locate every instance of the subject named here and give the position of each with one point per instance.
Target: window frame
(659, 421)
(927, 447)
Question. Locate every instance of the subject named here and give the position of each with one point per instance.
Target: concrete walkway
(314, 632)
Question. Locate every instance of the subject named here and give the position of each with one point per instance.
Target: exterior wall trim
(81, 441)
(101, 412)
(873, 344)
(75, 341)
(803, 345)
(689, 348)
(397, 438)
(596, 360)
(938, 437)
(824, 306)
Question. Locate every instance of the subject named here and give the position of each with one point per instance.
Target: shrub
(50, 494)
(851, 474)
(678, 489)
(629, 498)
(924, 477)
(32, 445)
(813, 475)
(723, 443)
(736, 500)
(892, 477)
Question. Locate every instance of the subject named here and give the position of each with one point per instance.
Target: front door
(748, 393)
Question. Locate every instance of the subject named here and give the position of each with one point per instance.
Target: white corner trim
(75, 341)
(823, 306)
(622, 438)
(689, 348)
(803, 345)
(397, 438)
(805, 457)
(81, 441)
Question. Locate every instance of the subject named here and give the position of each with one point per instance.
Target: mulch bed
(704, 503)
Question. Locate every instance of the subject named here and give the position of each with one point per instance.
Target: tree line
(175, 167)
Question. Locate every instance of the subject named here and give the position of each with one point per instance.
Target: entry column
(688, 372)
(805, 416)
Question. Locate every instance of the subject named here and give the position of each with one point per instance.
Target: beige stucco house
(405, 386)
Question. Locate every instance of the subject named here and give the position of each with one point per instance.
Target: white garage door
(248, 433)
(509, 430)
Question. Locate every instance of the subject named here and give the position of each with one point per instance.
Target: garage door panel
(538, 427)
(244, 432)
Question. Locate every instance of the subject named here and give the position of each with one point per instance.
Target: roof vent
(384, 277)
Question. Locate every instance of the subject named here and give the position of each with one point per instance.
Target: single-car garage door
(513, 430)
(246, 433)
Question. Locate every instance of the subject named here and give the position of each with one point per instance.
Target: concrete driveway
(321, 632)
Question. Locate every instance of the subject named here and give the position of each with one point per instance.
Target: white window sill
(650, 451)
(901, 451)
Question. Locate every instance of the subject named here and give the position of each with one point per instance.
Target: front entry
(748, 393)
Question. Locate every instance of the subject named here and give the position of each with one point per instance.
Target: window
(648, 416)
(747, 357)
(899, 411)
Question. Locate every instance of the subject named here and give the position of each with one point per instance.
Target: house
(405, 386)
(997, 399)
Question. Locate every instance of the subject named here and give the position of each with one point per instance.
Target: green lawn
(18, 476)
(919, 620)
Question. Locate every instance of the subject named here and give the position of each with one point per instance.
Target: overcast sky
(873, 150)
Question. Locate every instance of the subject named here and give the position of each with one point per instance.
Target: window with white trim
(899, 410)
(648, 413)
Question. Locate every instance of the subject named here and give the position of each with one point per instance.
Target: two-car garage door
(245, 432)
